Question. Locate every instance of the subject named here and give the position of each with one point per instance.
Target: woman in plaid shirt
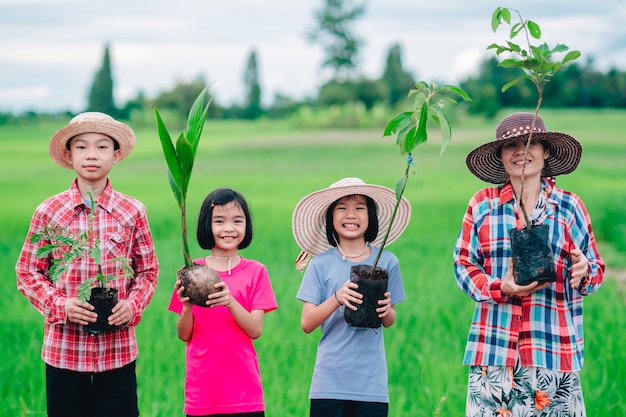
(90, 375)
(525, 344)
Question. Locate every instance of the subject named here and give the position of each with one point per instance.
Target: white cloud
(59, 44)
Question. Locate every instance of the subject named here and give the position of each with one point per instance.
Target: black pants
(346, 408)
(104, 394)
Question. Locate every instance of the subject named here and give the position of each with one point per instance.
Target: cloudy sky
(51, 49)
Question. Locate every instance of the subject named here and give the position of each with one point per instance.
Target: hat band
(518, 131)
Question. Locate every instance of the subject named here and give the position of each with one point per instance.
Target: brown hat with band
(565, 151)
(91, 122)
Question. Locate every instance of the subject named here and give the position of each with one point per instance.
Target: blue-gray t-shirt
(350, 362)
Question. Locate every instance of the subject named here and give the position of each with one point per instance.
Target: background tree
(252, 108)
(395, 78)
(101, 92)
(181, 97)
(333, 33)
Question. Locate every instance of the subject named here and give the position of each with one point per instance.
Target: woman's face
(350, 217)
(512, 157)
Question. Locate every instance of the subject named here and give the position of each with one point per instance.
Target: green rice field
(274, 165)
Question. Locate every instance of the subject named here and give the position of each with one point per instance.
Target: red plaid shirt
(122, 226)
(546, 327)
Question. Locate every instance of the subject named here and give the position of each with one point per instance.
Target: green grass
(274, 166)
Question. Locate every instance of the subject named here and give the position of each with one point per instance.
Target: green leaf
(511, 84)
(507, 63)
(455, 90)
(400, 185)
(185, 162)
(516, 29)
(422, 134)
(168, 148)
(196, 119)
(410, 140)
(533, 29)
(571, 56)
(396, 121)
(84, 290)
(446, 130)
(559, 48)
(178, 195)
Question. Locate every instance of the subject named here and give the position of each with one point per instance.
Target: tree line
(575, 86)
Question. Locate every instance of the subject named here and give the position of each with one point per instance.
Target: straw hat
(91, 122)
(565, 151)
(309, 216)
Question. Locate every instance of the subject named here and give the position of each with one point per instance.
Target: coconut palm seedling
(410, 128)
(538, 64)
(73, 246)
(198, 280)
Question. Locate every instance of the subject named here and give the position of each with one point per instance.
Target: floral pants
(523, 391)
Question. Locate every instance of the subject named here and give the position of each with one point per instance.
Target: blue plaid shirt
(544, 328)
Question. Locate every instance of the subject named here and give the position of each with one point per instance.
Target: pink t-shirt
(222, 375)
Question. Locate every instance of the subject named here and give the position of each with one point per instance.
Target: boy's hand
(122, 314)
(81, 313)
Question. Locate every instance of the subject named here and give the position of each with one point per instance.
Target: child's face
(228, 223)
(350, 218)
(92, 155)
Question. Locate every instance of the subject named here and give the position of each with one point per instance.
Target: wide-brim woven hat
(309, 215)
(565, 151)
(91, 122)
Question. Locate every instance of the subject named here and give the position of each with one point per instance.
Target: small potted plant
(199, 280)
(410, 128)
(97, 290)
(532, 254)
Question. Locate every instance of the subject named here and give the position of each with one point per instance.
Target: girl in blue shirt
(340, 225)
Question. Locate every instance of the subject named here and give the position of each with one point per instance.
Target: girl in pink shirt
(222, 375)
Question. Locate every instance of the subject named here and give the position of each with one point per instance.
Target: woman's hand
(580, 268)
(346, 295)
(509, 287)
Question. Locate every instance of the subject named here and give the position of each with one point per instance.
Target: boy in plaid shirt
(87, 374)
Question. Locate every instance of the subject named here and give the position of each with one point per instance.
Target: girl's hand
(580, 268)
(509, 287)
(385, 305)
(347, 296)
(178, 287)
(222, 297)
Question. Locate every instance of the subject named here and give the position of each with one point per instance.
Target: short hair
(116, 144)
(220, 197)
(372, 227)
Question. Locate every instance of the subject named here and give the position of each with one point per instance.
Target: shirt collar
(507, 195)
(105, 200)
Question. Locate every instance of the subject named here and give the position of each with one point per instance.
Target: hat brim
(309, 216)
(565, 154)
(123, 134)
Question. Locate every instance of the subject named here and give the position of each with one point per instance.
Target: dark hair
(220, 197)
(372, 227)
(116, 144)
